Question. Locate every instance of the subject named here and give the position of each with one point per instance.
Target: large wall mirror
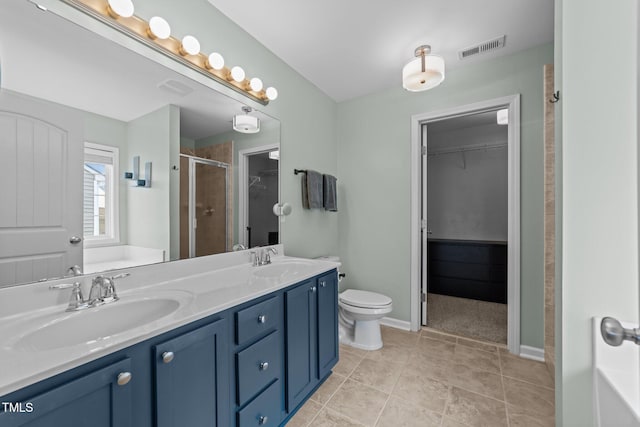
(109, 160)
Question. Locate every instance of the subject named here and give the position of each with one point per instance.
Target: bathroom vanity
(228, 345)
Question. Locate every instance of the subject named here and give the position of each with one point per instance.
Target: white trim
(513, 287)
(113, 194)
(532, 353)
(396, 323)
(243, 193)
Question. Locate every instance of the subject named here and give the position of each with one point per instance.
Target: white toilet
(359, 316)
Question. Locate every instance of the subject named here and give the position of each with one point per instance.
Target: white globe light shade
(272, 93)
(416, 80)
(245, 123)
(122, 8)
(159, 27)
(191, 45)
(216, 61)
(237, 74)
(256, 84)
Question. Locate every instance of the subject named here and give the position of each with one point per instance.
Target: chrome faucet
(103, 291)
(261, 256)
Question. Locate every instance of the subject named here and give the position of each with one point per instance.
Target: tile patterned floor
(428, 379)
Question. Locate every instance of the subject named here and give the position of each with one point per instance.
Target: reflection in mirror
(109, 160)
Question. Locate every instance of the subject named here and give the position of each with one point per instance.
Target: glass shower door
(203, 207)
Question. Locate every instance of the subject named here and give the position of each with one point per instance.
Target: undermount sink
(281, 268)
(94, 325)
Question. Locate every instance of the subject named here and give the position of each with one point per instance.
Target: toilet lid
(364, 299)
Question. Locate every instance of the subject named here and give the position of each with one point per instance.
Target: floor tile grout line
(324, 405)
(511, 377)
(504, 391)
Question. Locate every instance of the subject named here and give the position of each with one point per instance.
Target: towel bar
(297, 171)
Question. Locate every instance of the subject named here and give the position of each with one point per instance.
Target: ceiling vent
(175, 87)
(484, 47)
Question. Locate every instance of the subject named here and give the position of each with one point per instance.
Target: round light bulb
(256, 84)
(190, 45)
(122, 8)
(237, 74)
(159, 28)
(216, 61)
(272, 93)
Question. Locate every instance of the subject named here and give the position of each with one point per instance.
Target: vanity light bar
(156, 35)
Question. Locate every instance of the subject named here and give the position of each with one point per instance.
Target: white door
(40, 189)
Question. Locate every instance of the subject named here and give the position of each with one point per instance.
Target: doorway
(203, 206)
(258, 191)
(464, 191)
(420, 232)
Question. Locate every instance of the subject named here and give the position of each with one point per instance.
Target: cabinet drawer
(265, 409)
(256, 320)
(258, 365)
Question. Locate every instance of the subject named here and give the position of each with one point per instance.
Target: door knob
(615, 334)
(74, 240)
(264, 366)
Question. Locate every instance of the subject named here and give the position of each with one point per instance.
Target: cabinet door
(327, 323)
(93, 400)
(192, 384)
(301, 342)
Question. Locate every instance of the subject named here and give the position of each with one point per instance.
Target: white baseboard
(395, 323)
(533, 353)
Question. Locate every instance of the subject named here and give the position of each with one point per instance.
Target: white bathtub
(616, 378)
(120, 256)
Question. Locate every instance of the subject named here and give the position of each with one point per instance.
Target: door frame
(243, 191)
(511, 102)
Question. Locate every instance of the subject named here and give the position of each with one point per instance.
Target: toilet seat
(364, 299)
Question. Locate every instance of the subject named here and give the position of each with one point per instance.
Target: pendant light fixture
(424, 72)
(244, 123)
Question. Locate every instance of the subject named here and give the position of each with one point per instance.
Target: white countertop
(202, 287)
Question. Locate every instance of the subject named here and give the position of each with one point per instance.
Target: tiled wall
(549, 221)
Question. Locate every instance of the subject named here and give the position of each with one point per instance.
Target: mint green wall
(269, 134)
(152, 138)
(599, 186)
(374, 178)
(308, 136)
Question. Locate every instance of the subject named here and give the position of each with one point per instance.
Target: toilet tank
(333, 258)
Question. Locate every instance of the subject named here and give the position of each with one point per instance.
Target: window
(100, 221)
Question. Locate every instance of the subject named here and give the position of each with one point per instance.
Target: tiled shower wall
(549, 221)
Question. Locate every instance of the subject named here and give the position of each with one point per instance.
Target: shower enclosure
(204, 217)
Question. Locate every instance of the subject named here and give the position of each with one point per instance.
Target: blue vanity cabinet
(250, 365)
(311, 335)
(327, 323)
(102, 398)
(301, 342)
(191, 378)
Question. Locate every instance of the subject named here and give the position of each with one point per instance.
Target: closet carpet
(469, 318)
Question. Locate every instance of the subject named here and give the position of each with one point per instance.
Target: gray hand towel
(330, 193)
(312, 195)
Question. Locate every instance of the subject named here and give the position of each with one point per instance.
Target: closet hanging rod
(297, 171)
(465, 149)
